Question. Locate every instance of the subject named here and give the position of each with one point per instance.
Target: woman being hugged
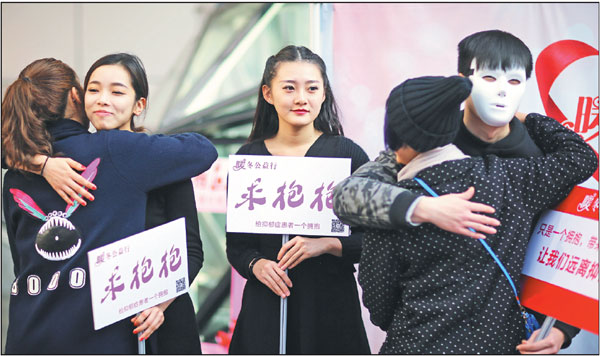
(42, 116)
(173, 330)
(112, 84)
(296, 115)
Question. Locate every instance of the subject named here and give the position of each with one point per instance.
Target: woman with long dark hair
(296, 115)
(171, 326)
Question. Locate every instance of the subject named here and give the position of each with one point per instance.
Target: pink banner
(210, 188)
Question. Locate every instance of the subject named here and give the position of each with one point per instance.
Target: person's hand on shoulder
(521, 116)
(456, 214)
(60, 174)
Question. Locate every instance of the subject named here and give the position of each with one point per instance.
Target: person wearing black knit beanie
(436, 292)
(424, 113)
(369, 198)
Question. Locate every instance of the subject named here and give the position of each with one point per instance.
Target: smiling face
(496, 93)
(297, 93)
(110, 98)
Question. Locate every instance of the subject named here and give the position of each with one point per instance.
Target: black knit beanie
(424, 112)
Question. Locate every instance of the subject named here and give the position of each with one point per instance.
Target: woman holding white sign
(51, 264)
(112, 83)
(172, 324)
(296, 115)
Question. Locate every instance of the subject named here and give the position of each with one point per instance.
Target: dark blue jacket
(50, 305)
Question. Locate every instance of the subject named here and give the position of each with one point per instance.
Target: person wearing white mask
(435, 292)
(498, 64)
(496, 93)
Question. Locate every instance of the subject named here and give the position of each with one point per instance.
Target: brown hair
(37, 97)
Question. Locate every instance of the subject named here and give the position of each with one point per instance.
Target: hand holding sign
(551, 344)
(269, 274)
(126, 277)
(300, 248)
(150, 320)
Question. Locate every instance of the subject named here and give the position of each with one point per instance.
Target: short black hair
(493, 49)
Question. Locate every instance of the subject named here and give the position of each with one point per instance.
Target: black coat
(179, 332)
(324, 313)
(60, 320)
(436, 292)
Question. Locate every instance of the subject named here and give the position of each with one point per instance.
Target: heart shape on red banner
(550, 63)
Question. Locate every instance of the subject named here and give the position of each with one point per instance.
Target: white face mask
(496, 93)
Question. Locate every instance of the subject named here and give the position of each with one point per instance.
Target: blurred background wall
(162, 35)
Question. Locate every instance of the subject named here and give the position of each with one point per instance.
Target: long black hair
(134, 66)
(266, 121)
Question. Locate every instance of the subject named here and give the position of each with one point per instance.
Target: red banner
(550, 63)
(565, 305)
(581, 202)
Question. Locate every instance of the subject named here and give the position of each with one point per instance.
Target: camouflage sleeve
(370, 197)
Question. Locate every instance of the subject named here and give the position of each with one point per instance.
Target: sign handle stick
(141, 345)
(283, 311)
(546, 327)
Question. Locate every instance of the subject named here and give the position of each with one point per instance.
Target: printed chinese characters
(249, 197)
(295, 197)
(286, 224)
(564, 261)
(144, 301)
(171, 261)
(106, 256)
(111, 288)
(147, 273)
(572, 264)
(294, 190)
(174, 262)
(243, 165)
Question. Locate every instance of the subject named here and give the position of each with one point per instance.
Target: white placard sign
(563, 251)
(284, 195)
(138, 272)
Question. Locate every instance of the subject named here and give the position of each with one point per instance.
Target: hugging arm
(160, 159)
(370, 198)
(60, 173)
(177, 157)
(568, 160)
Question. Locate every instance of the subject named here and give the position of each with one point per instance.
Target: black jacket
(54, 314)
(436, 292)
(324, 314)
(179, 332)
